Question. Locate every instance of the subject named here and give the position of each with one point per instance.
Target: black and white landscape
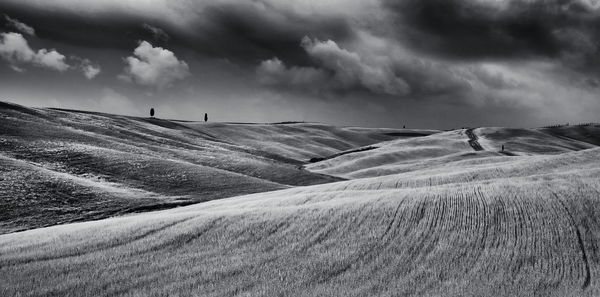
(300, 148)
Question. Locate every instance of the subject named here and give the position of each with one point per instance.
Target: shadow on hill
(362, 149)
(407, 134)
(19, 108)
(589, 134)
(165, 123)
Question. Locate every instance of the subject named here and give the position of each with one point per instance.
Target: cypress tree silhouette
(152, 112)
(206, 117)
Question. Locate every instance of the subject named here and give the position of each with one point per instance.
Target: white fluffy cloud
(50, 59)
(15, 49)
(154, 66)
(20, 26)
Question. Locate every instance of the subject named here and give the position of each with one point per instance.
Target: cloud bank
(476, 29)
(457, 58)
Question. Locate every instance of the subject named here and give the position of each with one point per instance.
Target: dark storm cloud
(19, 26)
(79, 30)
(470, 29)
(339, 70)
(496, 56)
(378, 73)
(158, 34)
(114, 31)
(241, 32)
(245, 31)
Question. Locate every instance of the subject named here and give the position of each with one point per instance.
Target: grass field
(507, 228)
(449, 149)
(425, 216)
(69, 166)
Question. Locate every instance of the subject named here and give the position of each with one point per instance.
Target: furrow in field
(584, 258)
(402, 238)
(103, 247)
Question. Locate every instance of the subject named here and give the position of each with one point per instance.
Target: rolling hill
(509, 227)
(450, 149)
(304, 141)
(60, 166)
(442, 214)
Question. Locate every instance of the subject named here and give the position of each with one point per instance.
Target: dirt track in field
(473, 140)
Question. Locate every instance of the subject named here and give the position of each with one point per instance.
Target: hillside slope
(452, 148)
(501, 226)
(538, 141)
(72, 165)
(303, 141)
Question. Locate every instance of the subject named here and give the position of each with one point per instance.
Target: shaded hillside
(61, 165)
(491, 226)
(586, 133)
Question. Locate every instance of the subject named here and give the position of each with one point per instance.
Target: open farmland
(458, 222)
(59, 166)
(226, 148)
(304, 141)
(451, 149)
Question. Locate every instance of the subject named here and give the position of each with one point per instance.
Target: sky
(440, 64)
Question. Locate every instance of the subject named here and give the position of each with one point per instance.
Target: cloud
(87, 68)
(51, 59)
(154, 66)
(338, 70)
(519, 29)
(384, 68)
(90, 71)
(502, 56)
(22, 27)
(157, 33)
(15, 49)
(243, 32)
(350, 69)
(273, 72)
(17, 68)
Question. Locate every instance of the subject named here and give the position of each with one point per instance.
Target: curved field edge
(481, 230)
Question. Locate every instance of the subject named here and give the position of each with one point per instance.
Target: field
(409, 216)
(59, 166)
